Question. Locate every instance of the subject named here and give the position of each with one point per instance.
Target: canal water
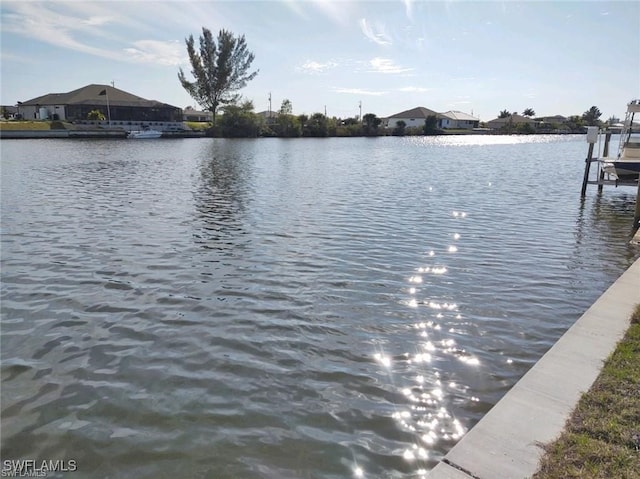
(309, 308)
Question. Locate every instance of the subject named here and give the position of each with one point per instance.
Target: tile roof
(459, 115)
(90, 94)
(418, 112)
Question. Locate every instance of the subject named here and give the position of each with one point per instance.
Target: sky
(342, 57)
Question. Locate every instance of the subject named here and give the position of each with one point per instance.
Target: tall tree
(591, 116)
(288, 124)
(504, 114)
(219, 69)
(286, 108)
(529, 112)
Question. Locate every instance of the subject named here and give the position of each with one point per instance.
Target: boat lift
(594, 135)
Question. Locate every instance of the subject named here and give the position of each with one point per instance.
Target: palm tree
(529, 112)
(504, 114)
(591, 116)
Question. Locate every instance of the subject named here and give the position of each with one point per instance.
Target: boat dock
(620, 169)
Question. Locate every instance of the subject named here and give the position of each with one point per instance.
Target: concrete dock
(506, 442)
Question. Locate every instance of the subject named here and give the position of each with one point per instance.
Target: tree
(286, 108)
(591, 116)
(96, 115)
(529, 112)
(239, 121)
(371, 123)
(431, 125)
(399, 129)
(220, 70)
(504, 114)
(288, 124)
(317, 125)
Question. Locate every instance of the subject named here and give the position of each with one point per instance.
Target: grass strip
(602, 437)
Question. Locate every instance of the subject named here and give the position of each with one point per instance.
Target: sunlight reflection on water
(427, 410)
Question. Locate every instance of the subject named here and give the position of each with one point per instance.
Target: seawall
(506, 442)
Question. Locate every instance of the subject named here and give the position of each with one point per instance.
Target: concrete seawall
(506, 442)
(40, 134)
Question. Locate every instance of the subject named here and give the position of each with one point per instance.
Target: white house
(191, 114)
(412, 118)
(458, 120)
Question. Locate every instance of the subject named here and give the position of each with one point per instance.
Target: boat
(144, 134)
(626, 165)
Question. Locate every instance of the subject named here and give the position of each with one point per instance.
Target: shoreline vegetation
(326, 127)
(601, 439)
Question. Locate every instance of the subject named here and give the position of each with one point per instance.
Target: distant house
(117, 105)
(412, 118)
(457, 120)
(269, 116)
(191, 114)
(511, 120)
(556, 119)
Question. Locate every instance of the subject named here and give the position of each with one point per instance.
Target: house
(191, 114)
(554, 120)
(269, 116)
(119, 107)
(510, 121)
(457, 120)
(412, 118)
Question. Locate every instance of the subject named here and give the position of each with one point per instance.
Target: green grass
(198, 125)
(598, 438)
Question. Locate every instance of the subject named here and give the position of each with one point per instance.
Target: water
(273, 308)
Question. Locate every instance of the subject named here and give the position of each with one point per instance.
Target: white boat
(142, 134)
(626, 165)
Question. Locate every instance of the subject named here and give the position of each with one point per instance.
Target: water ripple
(283, 309)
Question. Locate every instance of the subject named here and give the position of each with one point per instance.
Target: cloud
(376, 33)
(83, 27)
(97, 20)
(413, 89)
(311, 66)
(386, 65)
(157, 52)
(359, 91)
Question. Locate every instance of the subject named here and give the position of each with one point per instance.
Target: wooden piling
(587, 167)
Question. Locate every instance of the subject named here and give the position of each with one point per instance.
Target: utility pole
(269, 104)
(360, 105)
(325, 110)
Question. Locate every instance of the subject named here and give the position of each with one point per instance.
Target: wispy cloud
(376, 33)
(386, 65)
(157, 52)
(360, 91)
(413, 89)
(311, 66)
(70, 26)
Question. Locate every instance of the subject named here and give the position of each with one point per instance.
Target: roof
(515, 118)
(459, 115)
(418, 112)
(90, 95)
(557, 118)
(268, 114)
